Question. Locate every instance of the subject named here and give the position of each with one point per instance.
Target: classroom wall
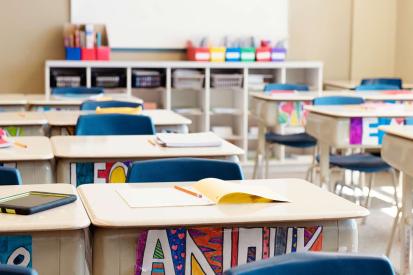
(374, 38)
(404, 40)
(319, 30)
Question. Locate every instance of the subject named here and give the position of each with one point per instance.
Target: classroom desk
(23, 123)
(34, 162)
(12, 102)
(233, 234)
(397, 150)
(101, 159)
(351, 84)
(53, 242)
(47, 103)
(333, 126)
(63, 122)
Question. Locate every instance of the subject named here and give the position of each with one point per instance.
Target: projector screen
(168, 24)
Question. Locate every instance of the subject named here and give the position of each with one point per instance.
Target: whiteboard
(168, 24)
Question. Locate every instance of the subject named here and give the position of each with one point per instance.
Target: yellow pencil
(187, 191)
(20, 144)
(151, 141)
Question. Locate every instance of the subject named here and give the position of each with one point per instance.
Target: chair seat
(366, 163)
(301, 140)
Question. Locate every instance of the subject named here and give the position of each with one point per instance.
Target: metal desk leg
(325, 164)
(406, 238)
(260, 149)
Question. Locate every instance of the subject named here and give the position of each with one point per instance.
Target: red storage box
(88, 54)
(263, 54)
(103, 53)
(198, 54)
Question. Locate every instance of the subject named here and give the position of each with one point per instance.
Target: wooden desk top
(78, 147)
(68, 217)
(12, 99)
(62, 100)
(22, 118)
(405, 131)
(296, 96)
(38, 148)
(159, 117)
(308, 203)
(364, 110)
(351, 84)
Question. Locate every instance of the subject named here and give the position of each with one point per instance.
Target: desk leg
(260, 149)
(325, 164)
(406, 238)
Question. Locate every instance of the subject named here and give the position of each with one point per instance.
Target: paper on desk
(160, 197)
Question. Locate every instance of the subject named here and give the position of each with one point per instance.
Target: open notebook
(206, 139)
(212, 191)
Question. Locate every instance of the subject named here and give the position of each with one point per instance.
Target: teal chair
(10, 176)
(91, 105)
(114, 124)
(393, 81)
(317, 264)
(76, 91)
(183, 169)
(377, 87)
(6, 269)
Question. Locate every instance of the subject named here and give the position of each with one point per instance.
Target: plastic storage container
(217, 54)
(188, 79)
(108, 78)
(146, 79)
(198, 54)
(226, 80)
(248, 54)
(233, 54)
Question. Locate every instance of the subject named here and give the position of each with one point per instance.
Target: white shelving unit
(207, 107)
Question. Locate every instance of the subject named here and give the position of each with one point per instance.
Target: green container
(248, 54)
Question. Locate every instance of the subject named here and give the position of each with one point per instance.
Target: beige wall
(30, 32)
(374, 35)
(404, 40)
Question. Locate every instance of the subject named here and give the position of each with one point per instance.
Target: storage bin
(68, 81)
(278, 54)
(217, 54)
(263, 54)
(248, 54)
(102, 53)
(146, 79)
(233, 54)
(73, 53)
(108, 78)
(188, 79)
(67, 77)
(88, 54)
(198, 54)
(226, 80)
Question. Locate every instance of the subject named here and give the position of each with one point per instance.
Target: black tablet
(32, 202)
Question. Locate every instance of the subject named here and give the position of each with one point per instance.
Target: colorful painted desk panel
(12, 102)
(52, 242)
(162, 119)
(100, 159)
(397, 150)
(23, 123)
(177, 240)
(34, 162)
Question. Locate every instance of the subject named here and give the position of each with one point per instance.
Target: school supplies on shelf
(204, 139)
(188, 79)
(226, 80)
(146, 79)
(207, 191)
(86, 42)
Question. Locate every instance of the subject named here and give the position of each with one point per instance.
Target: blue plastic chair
(78, 91)
(10, 176)
(90, 105)
(377, 87)
(394, 81)
(6, 269)
(285, 87)
(114, 124)
(183, 169)
(317, 264)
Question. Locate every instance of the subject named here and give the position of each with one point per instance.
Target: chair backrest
(10, 176)
(285, 87)
(383, 80)
(89, 105)
(183, 169)
(337, 100)
(114, 124)
(68, 91)
(317, 263)
(377, 87)
(6, 269)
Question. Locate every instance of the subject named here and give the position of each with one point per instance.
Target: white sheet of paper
(160, 197)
